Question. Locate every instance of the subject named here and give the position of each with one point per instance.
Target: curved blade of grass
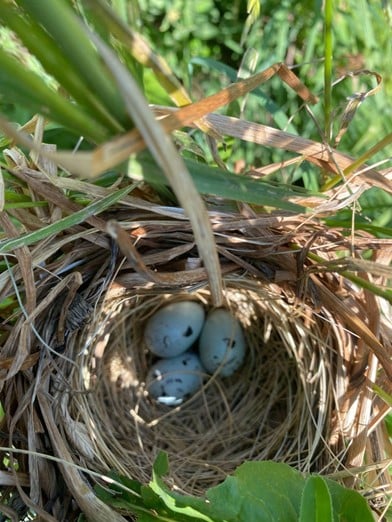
(61, 22)
(266, 103)
(173, 166)
(340, 267)
(45, 49)
(350, 170)
(63, 224)
(127, 13)
(25, 87)
(357, 326)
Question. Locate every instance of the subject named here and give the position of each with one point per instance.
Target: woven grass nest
(74, 387)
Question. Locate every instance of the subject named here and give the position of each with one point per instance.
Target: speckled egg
(174, 328)
(170, 381)
(222, 343)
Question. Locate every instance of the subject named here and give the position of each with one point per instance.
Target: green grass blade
(141, 52)
(359, 281)
(61, 22)
(18, 84)
(45, 49)
(328, 62)
(63, 224)
(220, 183)
(101, 22)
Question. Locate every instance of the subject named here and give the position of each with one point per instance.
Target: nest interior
(76, 390)
(275, 407)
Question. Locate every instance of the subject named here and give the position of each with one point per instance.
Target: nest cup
(277, 406)
(77, 391)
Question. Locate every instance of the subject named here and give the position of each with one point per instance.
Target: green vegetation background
(202, 43)
(205, 43)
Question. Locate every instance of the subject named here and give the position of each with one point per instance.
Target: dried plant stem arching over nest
(76, 388)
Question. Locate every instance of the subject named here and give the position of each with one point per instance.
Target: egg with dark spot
(174, 328)
(222, 343)
(171, 381)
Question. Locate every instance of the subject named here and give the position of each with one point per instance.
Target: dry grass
(73, 367)
(73, 364)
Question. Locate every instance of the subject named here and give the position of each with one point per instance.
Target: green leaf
(161, 465)
(275, 492)
(388, 423)
(46, 50)
(72, 37)
(64, 223)
(153, 90)
(257, 492)
(316, 503)
(386, 397)
(217, 182)
(348, 505)
(20, 85)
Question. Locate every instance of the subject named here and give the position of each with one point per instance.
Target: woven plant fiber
(295, 400)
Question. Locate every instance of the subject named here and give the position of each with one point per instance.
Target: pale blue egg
(174, 328)
(222, 343)
(170, 381)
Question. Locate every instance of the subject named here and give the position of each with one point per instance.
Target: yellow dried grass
(304, 395)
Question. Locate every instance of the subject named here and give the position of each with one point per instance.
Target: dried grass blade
(115, 151)
(24, 258)
(2, 191)
(65, 223)
(29, 361)
(332, 302)
(173, 166)
(354, 103)
(8, 478)
(94, 509)
(309, 149)
(127, 248)
(142, 52)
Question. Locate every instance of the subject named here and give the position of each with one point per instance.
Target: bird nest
(74, 369)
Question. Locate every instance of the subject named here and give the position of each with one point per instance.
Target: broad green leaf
(348, 505)
(275, 492)
(316, 504)
(257, 492)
